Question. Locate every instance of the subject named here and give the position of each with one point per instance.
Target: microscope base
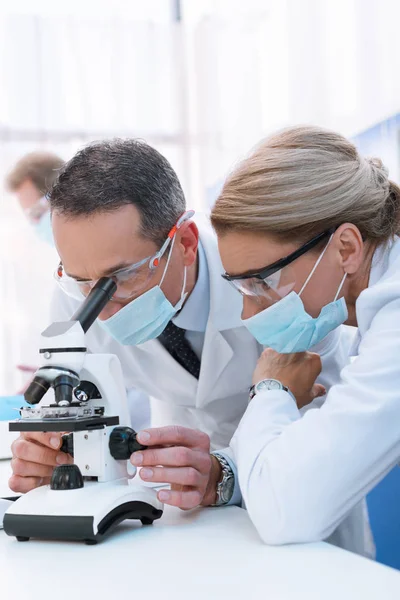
(87, 514)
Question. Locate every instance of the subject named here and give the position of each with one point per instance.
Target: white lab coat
(300, 477)
(217, 401)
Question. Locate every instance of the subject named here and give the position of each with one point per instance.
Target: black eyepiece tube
(95, 302)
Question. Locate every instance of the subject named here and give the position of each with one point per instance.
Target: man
(30, 180)
(118, 209)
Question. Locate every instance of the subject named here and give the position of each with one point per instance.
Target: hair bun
(378, 164)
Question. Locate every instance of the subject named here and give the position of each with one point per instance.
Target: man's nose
(109, 310)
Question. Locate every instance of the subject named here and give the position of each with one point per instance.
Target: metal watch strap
(227, 477)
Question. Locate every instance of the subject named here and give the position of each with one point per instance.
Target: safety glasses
(131, 281)
(276, 280)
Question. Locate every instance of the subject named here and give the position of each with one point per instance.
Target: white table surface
(199, 555)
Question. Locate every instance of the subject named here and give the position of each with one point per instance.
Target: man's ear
(188, 241)
(350, 245)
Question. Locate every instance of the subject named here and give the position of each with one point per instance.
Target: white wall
(203, 92)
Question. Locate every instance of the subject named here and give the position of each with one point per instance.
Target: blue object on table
(8, 404)
(384, 513)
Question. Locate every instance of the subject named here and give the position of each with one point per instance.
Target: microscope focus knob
(123, 443)
(67, 444)
(66, 477)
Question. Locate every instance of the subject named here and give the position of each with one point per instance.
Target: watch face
(269, 384)
(227, 489)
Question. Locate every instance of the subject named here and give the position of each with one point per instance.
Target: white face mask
(286, 327)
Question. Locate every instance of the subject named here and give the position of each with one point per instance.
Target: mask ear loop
(183, 294)
(340, 287)
(168, 260)
(316, 265)
(155, 261)
(188, 215)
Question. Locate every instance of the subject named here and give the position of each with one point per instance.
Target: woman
(308, 235)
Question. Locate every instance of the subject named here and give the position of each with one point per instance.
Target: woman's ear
(350, 246)
(188, 242)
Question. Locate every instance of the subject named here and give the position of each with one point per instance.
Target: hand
(35, 454)
(297, 372)
(27, 369)
(181, 457)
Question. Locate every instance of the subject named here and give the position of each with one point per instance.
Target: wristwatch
(266, 384)
(226, 484)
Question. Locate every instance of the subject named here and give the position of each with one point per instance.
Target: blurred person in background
(30, 181)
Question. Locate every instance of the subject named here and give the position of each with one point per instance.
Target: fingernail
(137, 458)
(146, 473)
(163, 496)
(143, 436)
(55, 442)
(61, 459)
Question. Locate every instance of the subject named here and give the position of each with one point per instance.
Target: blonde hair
(303, 181)
(41, 168)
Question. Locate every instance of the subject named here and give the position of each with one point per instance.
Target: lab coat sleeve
(300, 476)
(334, 350)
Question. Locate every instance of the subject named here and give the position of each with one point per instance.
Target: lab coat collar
(379, 266)
(380, 262)
(224, 314)
(195, 311)
(225, 301)
(225, 311)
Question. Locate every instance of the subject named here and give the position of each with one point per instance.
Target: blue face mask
(43, 228)
(286, 327)
(145, 317)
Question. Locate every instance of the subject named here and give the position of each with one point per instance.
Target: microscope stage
(80, 424)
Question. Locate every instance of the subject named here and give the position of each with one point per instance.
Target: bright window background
(203, 90)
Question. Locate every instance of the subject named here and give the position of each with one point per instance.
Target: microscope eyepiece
(99, 296)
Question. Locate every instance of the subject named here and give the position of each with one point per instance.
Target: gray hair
(109, 174)
(305, 180)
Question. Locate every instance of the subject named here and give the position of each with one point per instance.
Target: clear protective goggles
(131, 281)
(35, 212)
(275, 281)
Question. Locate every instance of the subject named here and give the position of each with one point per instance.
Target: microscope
(88, 498)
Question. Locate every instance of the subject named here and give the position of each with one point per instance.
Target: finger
(22, 485)
(181, 476)
(28, 451)
(317, 391)
(182, 499)
(178, 436)
(172, 457)
(24, 468)
(48, 439)
(26, 369)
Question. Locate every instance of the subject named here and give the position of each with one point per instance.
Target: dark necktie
(174, 341)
